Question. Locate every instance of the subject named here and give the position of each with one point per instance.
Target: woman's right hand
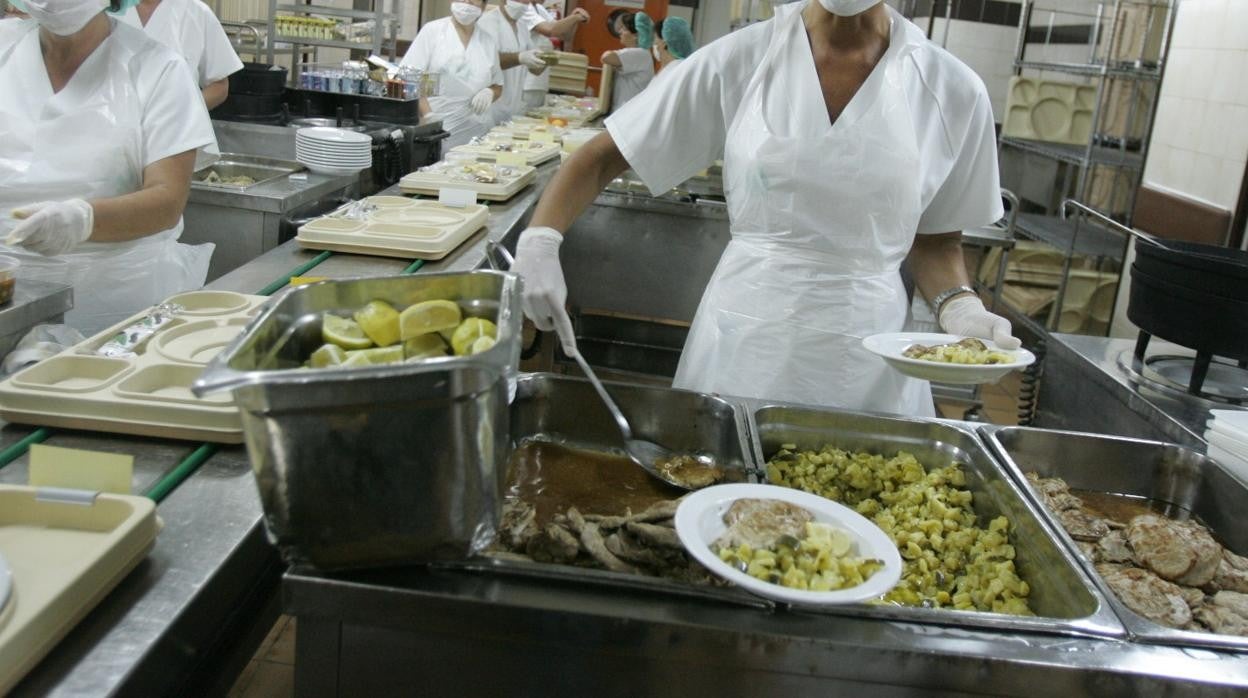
(52, 227)
(545, 291)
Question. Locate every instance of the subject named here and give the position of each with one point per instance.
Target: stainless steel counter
(211, 575)
(1085, 389)
(33, 302)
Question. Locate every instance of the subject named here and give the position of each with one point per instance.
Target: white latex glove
(966, 316)
(545, 291)
(481, 101)
(530, 60)
(52, 227)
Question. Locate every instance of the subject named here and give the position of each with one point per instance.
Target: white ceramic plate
(331, 135)
(6, 582)
(700, 521)
(332, 162)
(890, 347)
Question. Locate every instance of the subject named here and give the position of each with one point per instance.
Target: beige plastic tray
(534, 153)
(65, 557)
(429, 180)
(147, 395)
(401, 227)
(1049, 110)
(523, 130)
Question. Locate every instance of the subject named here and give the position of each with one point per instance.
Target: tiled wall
(1200, 137)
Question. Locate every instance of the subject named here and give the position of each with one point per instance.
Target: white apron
(821, 220)
(85, 142)
(461, 79)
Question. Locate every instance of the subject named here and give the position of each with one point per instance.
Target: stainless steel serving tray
(261, 169)
(564, 409)
(1063, 596)
(1122, 465)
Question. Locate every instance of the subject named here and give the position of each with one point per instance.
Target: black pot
(1207, 322)
(1219, 270)
(258, 79)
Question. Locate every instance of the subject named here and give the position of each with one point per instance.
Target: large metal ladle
(647, 454)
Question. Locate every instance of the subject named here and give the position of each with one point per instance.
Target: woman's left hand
(53, 227)
(966, 316)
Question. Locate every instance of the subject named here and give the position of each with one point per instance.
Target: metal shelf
(335, 11)
(1093, 240)
(328, 43)
(1093, 70)
(1078, 154)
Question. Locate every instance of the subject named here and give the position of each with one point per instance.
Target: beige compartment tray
(534, 153)
(1049, 110)
(523, 130)
(418, 230)
(148, 394)
(429, 181)
(64, 557)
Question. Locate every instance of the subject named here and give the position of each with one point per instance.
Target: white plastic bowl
(892, 345)
(700, 522)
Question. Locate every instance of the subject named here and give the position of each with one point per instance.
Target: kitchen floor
(271, 672)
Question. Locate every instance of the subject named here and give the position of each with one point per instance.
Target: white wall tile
(1166, 120)
(1236, 145)
(1157, 166)
(1214, 129)
(1224, 81)
(1236, 34)
(1179, 174)
(1188, 122)
(1230, 179)
(1205, 181)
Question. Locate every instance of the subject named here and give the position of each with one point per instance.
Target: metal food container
(1063, 597)
(376, 465)
(568, 410)
(1150, 469)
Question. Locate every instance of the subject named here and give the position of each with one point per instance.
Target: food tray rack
(147, 394)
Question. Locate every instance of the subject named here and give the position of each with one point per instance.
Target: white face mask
(515, 9)
(466, 14)
(654, 50)
(848, 8)
(64, 17)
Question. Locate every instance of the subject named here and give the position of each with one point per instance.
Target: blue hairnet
(678, 36)
(645, 30)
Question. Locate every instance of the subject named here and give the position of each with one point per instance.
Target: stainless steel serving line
(209, 587)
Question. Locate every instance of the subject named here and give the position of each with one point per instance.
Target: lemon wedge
(469, 331)
(328, 355)
(380, 321)
(377, 356)
(356, 359)
(343, 332)
(429, 316)
(424, 346)
(482, 344)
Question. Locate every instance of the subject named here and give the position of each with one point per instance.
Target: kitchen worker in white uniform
(467, 62)
(191, 29)
(673, 42)
(99, 125)
(634, 66)
(516, 56)
(543, 27)
(850, 143)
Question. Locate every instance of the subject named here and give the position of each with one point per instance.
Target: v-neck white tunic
(191, 29)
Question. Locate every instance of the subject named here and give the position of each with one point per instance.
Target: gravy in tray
(1124, 507)
(553, 478)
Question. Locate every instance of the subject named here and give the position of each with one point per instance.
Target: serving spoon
(646, 454)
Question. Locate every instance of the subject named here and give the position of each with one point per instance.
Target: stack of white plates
(1228, 440)
(333, 151)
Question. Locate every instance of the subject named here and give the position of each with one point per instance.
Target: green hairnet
(645, 30)
(678, 36)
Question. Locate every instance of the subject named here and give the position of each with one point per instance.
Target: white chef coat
(510, 39)
(679, 126)
(537, 85)
(762, 329)
(634, 75)
(464, 71)
(131, 103)
(191, 29)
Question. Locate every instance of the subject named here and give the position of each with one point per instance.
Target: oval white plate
(700, 522)
(6, 582)
(890, 347)
(327, 134)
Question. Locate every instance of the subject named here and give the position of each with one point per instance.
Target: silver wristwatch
(943, 297)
